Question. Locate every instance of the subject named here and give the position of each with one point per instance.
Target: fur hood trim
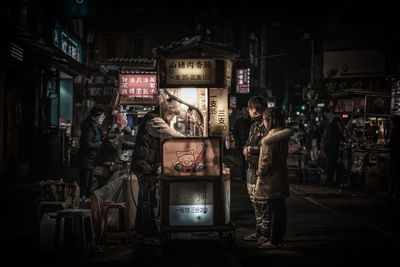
(276, 135)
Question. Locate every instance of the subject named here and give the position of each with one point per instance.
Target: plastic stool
(123, 220)
(74, 232)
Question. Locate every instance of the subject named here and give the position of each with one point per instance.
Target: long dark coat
(89, 143)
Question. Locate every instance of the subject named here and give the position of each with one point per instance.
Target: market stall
(194, 183)
(366, 117)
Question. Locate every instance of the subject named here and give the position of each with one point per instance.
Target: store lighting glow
(189, 95)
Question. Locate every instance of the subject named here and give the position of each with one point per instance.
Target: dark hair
(96, 111)
(274, 118)
(257, 102)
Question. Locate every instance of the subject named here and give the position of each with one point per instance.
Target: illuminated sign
(190, 71)
(243, 81)
(191, 157)
(191, 203)
(138, 86)
(232, 102)
(67, 43)
(218, 106)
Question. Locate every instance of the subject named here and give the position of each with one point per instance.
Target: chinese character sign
(138, 86)
(218, 106)
(67, 43)
(191, 203)
(243, 81)
(190, 71)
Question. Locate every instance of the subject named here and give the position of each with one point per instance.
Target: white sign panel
(191, 214)
(191, 203)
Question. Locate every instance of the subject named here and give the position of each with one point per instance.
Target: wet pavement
(326, 227)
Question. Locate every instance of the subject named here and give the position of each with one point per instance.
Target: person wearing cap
(146, 162)
(89, 144)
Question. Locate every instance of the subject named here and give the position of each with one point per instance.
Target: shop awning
(36, 44)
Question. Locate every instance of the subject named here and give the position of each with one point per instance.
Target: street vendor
(146, 163)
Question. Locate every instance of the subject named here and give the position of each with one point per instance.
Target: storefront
(39, 94)
(366, 119)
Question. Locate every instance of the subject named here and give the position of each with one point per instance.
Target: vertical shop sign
(228, 74)
(218, 106)
(395, 101)
(138, 86)
(190, 71)
(67, 43)
(243, 81)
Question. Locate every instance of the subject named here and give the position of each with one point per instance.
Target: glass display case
(193, 118)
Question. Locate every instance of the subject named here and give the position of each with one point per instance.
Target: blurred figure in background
(332, 138)
(314, 140)
(240, 132)
(89, 144)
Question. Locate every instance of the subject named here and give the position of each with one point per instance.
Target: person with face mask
(89, 144)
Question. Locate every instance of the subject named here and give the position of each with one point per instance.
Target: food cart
(366, 115)
(194, 183)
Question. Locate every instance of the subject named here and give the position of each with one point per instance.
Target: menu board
(190, 72)
(138, 86)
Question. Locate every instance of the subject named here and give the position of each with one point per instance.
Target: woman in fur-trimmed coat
(272, 182)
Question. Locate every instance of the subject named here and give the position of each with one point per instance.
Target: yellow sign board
(218, 107)
(190, 71)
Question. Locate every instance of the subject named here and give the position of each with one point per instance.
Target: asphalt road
(326, 227)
